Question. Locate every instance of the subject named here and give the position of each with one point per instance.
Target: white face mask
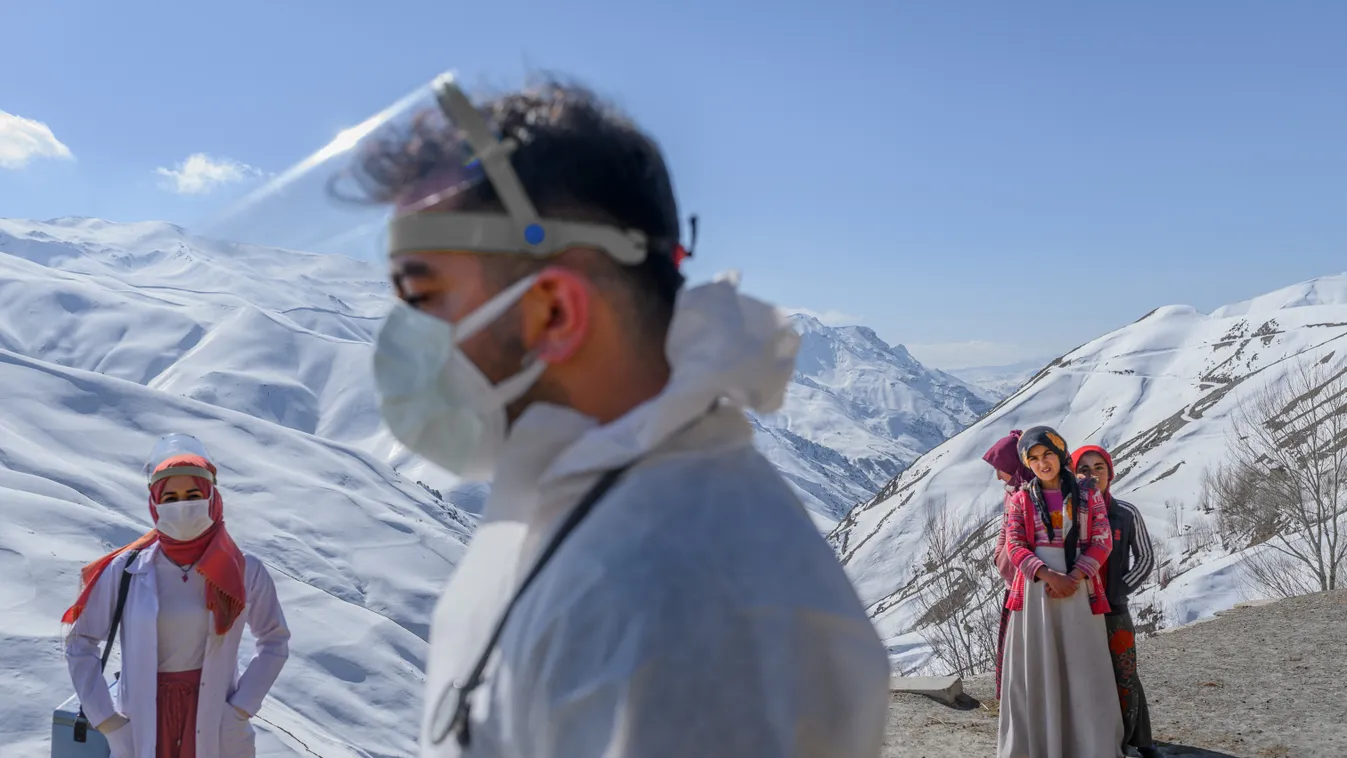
(434, 399)
(184, 520)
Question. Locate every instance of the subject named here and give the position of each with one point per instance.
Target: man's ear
(559, 314)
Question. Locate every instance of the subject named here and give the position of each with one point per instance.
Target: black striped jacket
(1132, 559)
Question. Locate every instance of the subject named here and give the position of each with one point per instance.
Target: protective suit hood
(724, 348)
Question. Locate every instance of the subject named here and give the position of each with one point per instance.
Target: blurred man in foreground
(643, 582)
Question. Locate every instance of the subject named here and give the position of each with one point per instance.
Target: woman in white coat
(180, 694)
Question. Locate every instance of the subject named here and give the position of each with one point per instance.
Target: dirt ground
(1258, 682)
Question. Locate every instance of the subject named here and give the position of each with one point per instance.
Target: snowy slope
(857, 412)
(280, 335)
(1159, 393)
(358, 553)
(113, 334)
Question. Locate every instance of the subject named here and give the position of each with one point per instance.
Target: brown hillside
(1255, 682)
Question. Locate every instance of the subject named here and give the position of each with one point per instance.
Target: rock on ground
(920, 727)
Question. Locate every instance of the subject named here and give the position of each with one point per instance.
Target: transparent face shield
(393, 185)
(172, 446)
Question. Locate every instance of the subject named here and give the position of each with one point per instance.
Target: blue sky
(946, 173)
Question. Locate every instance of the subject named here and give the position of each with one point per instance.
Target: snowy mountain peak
(74, 229)
(805, 323)
(91, 224)
(857, 412)
(1323, 291)
(859, 341)
(1166, 312)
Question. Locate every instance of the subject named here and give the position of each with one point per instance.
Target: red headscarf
(1097, 450)
(1102, 453)
(216, 556)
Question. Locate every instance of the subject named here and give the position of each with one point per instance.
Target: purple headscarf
(1004, 456)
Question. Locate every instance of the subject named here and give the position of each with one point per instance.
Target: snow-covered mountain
(114, 334)
(284, 336)
(858, 412)
(1159, 393)
(280, 335)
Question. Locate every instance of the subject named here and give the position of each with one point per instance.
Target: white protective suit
(696, 611)
(221, 731)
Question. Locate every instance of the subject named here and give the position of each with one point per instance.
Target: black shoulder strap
(453, 716)
(82, 721)
(122, 590)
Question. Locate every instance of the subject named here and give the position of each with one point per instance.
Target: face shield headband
(519, 229)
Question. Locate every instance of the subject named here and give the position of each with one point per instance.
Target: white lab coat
(221, 731)
(695, 612)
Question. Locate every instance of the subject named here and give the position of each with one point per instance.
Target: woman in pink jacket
(1004, 458)
(1058, 697)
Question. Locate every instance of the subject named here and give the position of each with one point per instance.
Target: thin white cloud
(23, 139)
(200, 174)
(829, 317)
(952, 356)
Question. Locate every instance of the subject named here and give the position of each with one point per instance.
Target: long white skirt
(1058, 698)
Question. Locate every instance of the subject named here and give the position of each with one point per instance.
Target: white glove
(117, 730)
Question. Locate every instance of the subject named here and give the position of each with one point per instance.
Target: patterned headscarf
(1071, 494)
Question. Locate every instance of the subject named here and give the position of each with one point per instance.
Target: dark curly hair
(579, 159)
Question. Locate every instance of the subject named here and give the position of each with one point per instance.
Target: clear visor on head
(394, 184)
(341, 198)
(173, 446)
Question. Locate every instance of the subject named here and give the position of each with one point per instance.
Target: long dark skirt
(1123, 649)
(1001, 640)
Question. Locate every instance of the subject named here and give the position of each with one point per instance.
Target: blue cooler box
(63, 744)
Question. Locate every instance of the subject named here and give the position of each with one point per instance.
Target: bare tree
(1283, 489)
(960, 599)
(1166, 567)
